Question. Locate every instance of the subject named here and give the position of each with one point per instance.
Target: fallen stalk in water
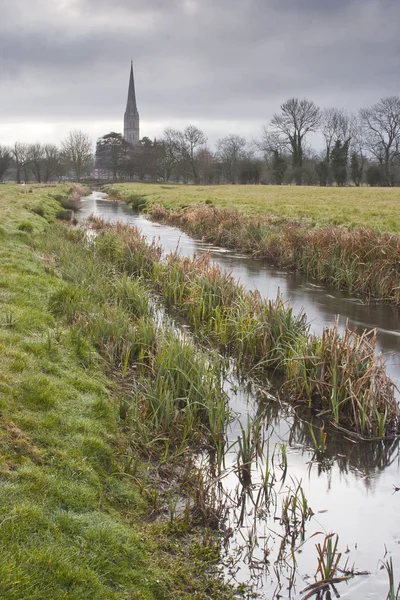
(320, 586)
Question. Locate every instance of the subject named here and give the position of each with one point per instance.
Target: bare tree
(357, 150)
(335, 125)
(208, 167)
(381, 124)
(231, 150)
(51, 162)
(275, 150)
(167, 153)
(5, 160)
(271, 143)
(78, 154)
(20, 154)
(35, 160)
(298, 117)
(190, 140)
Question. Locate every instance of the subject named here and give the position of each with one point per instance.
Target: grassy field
(77, 499)
(350, 206)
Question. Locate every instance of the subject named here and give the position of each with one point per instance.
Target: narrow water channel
(351, 491)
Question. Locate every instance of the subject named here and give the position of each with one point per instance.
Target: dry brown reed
(361, 261)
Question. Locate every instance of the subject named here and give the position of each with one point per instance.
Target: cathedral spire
(131, 103)
(131, 119)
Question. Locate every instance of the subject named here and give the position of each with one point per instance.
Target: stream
(350, 489)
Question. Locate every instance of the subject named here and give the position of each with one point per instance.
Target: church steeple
(131, 119)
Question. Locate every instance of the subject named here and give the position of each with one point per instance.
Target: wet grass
(337, 375)
(80, 379)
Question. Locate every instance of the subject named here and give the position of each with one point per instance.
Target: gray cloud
(205, 60)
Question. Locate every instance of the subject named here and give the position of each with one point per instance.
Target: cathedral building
(131, 118)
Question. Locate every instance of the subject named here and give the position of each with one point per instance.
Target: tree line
(47, 162)
(361, 148)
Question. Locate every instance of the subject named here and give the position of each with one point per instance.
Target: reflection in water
(347, 484)
(302, 432)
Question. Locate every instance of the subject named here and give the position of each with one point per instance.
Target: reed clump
(338, 375)
(73, 199)
(361, 261)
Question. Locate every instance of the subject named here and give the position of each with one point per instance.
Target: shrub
(72, 202)
(64, 215)
(38, 210)
(136, 201)
(59, 197)
(25, 226)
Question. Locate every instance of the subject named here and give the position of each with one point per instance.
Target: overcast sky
(225, 65)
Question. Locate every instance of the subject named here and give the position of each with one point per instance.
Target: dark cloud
(205, 60)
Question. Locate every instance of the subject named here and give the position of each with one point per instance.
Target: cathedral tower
(131, 118)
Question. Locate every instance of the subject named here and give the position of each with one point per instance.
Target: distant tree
(381, 123)
(52, 166)
(20, 155)
(113, 153)
(310, 161)
(358, 148)
(208, 166)
(356, 169)
(5, 160)
(375, 175)
(144, 159)
(231, 150)
(189, 141)
(339, 159)
(167, 154)
(77, 153)
(35, 156)
(279, 166)
(297, 118)
(322, 169)
(335, 125)
(250, 170)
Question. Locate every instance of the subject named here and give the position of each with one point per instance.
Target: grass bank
(84, 374)
(360, 259)
(338, 375)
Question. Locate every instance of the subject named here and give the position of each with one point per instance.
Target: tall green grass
(175, 386)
